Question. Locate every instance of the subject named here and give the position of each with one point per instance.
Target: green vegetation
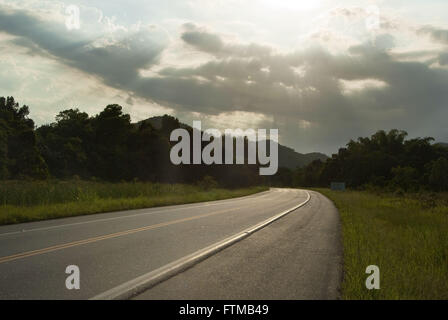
(22, 201)
(106, 146)
(404, 235)
(83, 164)
(386, 160)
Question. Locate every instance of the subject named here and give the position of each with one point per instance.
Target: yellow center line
(108, 236)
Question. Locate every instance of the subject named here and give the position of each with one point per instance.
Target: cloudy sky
(320, 71)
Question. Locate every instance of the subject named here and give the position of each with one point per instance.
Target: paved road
(296, 257)
(113, 248)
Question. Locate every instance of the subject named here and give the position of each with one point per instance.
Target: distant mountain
(156, 122)
(287, 157)
(291, 159)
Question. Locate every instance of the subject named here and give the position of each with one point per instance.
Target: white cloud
(351, 86)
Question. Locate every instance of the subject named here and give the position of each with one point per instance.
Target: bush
(438, 174)
(405, 178)
(207, 183)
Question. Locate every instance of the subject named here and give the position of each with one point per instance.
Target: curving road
(297, 256)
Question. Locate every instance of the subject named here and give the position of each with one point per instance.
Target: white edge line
(136, 286)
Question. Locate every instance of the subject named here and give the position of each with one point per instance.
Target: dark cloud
(301, 91)
(414, 94)
(202, 40)
(439, 35)
(117, 63)
(206, 41)
(443, 58)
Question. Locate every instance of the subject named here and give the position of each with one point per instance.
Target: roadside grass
(405, 236)
(22, 201)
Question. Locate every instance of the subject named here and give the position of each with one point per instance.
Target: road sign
(338, 186)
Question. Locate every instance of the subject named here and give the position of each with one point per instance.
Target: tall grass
(30, 201)
(405, 236)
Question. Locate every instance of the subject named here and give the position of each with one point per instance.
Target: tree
(111, 131)
(405, 178)
(19, 154)
(3, 151)
(65, 144)
(385, 158)
(438, 174)
(312, 176)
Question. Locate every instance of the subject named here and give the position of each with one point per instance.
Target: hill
(288, 157)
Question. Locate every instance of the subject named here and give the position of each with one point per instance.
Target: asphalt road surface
(296, 257)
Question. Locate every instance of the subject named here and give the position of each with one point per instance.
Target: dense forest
(386, 160)
(105, 147)
(109, 147)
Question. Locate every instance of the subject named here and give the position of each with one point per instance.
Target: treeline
(105, 147)
(386, 160)
(108, 147)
